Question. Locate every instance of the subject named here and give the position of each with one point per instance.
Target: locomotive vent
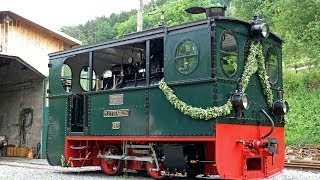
(210, 11)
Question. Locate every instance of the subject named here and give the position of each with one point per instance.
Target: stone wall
(20, 88)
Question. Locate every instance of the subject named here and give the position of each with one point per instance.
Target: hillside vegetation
(117, 25)
(302, 90)
(296, 21)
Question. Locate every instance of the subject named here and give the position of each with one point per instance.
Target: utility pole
(139, 16)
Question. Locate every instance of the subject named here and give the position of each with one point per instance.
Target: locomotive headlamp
(280, 107)
(240, 100)
(265, 30)
(245, 101)
(258, 27)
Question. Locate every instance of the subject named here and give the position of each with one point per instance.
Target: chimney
(215, 11)
(210, 11)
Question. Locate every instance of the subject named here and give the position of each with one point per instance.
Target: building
(24, 49)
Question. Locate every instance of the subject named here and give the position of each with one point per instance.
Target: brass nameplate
(116, 99)
(116, 113)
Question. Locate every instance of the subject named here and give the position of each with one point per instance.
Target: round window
(84, 79)
(229, 54)
(272, 65)
(66, 77)
(187, 56)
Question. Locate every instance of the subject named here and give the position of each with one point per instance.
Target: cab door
(187, 69)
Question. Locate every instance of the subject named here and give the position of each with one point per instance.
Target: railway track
(304, 164)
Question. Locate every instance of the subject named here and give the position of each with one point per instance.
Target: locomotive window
(272, 65)
(229, 54)
(187, 56)
(84, 79)
(66, 77)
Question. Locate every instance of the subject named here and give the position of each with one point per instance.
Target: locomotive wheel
(111, 166)
(155, 174)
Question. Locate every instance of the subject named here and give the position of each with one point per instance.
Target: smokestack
(210, 11)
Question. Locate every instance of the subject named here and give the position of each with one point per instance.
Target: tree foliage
(297, 22)
(116, 25)
(100, 28)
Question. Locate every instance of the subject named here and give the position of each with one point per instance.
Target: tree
(297, 22)
(100, 28)
(104, 31)
(300, 28)
(245, 9)
(117, 25)
(174, 12)
(126, 27)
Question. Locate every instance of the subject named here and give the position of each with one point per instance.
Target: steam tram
(106, 108)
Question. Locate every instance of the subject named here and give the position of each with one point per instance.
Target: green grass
(302, 91)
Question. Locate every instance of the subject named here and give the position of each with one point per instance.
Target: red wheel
(111, 166)
(155, 174)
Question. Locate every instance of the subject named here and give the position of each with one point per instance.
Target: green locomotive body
(108, 95)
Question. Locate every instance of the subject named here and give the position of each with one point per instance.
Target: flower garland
(264, 79)
(255, 58)
(194, 112)
(249, 66)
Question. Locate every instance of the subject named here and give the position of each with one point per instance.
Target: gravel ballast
(18, 168)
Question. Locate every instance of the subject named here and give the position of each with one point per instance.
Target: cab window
(66, 77)
(84, 79)
(272, 64)
(187, 56)
(229, 54)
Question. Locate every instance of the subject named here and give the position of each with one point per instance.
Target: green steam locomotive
(198, 99)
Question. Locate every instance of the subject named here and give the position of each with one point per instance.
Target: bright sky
(57, 13)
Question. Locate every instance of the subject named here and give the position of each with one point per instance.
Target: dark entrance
(76, 112)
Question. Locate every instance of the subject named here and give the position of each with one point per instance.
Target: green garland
(255, 58)
(250, 65)
(194, 112)
(264, 79)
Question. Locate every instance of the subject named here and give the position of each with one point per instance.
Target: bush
(302, 91)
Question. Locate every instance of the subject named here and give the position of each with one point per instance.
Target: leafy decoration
(255, 58)
(194, 112)
(264, 79)
(250, 65)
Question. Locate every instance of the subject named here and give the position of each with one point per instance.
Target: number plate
(116, 99)
(116, 125)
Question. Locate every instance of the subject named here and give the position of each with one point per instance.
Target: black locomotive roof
(145, 35)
